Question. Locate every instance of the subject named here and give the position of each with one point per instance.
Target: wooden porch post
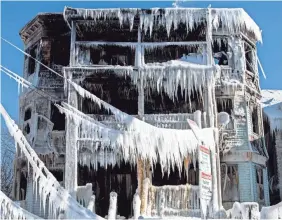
(144, 180)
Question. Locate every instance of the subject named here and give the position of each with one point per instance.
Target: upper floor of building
(140, 37)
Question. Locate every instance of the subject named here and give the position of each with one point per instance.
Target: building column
(71, 160)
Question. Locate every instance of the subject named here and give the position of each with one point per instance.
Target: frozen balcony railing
(84, 195)
(173, 121)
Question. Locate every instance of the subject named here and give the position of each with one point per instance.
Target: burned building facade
(163, 66)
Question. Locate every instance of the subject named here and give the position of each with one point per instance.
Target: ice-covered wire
(27, 84)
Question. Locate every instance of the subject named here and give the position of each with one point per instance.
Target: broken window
(159, 102)
(220, 51)
(250, 58)
(180, 33)
(31, 61)
(61, 51)
(255, 120)
(106, 55)
(115, 90)
(57, 118)
(165, 54)
(27, 114)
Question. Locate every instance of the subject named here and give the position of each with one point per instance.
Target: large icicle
(138, 140)
(170, 75)
(235, 20)
(48, 186)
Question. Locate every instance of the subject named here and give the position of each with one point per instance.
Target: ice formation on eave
(272, 107)
(137, 141)
(232, 20)
(11, 210)
(44, 182)
(235, 20)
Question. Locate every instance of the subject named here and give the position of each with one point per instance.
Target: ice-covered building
(272, 111)
(162, 66)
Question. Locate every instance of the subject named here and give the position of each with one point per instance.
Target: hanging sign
(205, 177)
(205, 173)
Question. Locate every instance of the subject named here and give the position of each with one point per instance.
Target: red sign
(206, 176)
(204, 149)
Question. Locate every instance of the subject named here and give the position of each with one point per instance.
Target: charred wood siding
(46, 52)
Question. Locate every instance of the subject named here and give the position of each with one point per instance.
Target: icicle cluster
(136, 141)
(11, 210)
(44, 182)
(170, 75)
(192, 17)
(110, 13)
(177, 200)
(232, 20)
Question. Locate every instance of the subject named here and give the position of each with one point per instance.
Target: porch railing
(85, 196)
(173, 121)
(170, 200)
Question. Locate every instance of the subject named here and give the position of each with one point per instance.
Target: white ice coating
(172, 74)
(11, 210)
(235, 20)
(136, 205)
(140, 139)
(84, 193)
(272, 108)
(232, 20)
(172, 200)
(245, 210)
(112, 213)
(22, 83)
(48, 187)
(271, 212)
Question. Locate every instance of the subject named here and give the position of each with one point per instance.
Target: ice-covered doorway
(120, 179)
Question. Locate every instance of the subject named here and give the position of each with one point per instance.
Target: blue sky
(14, 15)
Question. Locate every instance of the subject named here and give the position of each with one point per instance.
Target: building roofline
(232, 19)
